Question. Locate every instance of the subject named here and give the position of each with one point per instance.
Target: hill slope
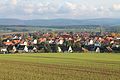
(60, 22)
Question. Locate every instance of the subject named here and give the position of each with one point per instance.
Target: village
(60, 42)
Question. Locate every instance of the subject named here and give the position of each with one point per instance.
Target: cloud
(116, 7)
(66, 9)
(71, 8)
(13, 2)
(2, 7)
(29, 8)
(78, 10)
(46, 8)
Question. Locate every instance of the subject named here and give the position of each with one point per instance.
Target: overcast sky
(52, 9)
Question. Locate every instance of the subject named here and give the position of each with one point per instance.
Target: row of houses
(54, 42)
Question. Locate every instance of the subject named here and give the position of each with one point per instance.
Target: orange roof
(42, 39)
(16, 41)
(29, 38)
(8, 43)
(46, 35)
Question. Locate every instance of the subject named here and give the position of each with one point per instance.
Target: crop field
(60, 66)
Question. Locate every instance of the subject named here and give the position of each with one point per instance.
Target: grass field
(60, 66)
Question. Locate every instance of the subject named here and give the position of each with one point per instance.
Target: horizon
(56, 19)
(59, 9)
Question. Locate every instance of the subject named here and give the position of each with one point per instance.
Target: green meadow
(60, 66)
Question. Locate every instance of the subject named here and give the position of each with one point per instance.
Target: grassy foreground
(60, 66)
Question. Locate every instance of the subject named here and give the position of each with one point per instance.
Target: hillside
(60, 22)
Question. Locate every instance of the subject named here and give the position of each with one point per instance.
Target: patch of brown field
(18, 70)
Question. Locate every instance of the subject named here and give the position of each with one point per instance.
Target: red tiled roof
(8, 43)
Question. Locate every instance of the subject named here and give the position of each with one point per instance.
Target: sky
(59, 9)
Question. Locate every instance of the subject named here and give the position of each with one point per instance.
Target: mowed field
(60, 66)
